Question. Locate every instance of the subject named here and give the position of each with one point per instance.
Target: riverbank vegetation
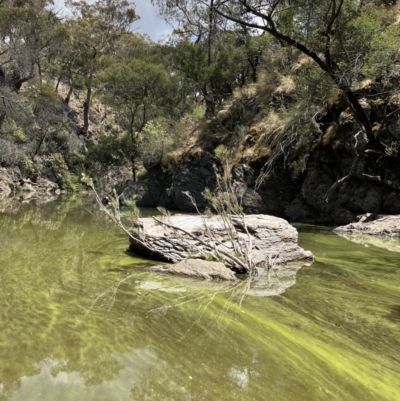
(272, 79)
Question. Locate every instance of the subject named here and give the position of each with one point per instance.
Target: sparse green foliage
(222, 154)
(131, 213)
(66, 179)
(30, 169)
(57, 163)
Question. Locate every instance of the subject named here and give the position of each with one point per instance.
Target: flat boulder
(373, 224)
(268, 240)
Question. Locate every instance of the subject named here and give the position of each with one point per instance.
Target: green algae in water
(80, 319)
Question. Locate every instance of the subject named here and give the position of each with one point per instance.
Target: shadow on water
(80, 319)
(394, 314)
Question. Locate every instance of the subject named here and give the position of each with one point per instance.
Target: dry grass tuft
(330, 134)
(364, 103)
(286, 86)
(302, 63)
(395, 99)
(346, 116)
(376, 127)
(245, 92)
(333, 97)
(364, 84)
(258, 154)
(266, 86)
(397, 19)
(272, 124)
(269, 131)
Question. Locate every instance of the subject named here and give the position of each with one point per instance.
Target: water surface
(82, 320)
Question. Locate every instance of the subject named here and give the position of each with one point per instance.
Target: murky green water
(81, 320)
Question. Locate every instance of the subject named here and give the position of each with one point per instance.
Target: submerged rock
(373, 224)
(267, 283)
(389, 243)
(272, 240)
(197, 268)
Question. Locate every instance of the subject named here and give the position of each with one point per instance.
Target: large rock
(273, 241)
(5, 183)
(391, 244)
(373, 224)
(193, 175)
(149, 193)
(47, 186)
(40, 187)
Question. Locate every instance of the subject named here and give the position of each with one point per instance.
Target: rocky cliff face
(300, 200)
(373, 188)
(168, 188)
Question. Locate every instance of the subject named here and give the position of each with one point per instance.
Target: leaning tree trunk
(69, 94)
(86, 105)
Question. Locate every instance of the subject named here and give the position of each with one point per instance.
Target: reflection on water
(391, 244)
(81, 320)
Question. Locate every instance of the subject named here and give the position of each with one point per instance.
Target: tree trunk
(68, 97)
(210, 103)
(210, 32)
(86, 104)
(2, 118)
(39, 145)
(254, 66)
(133, 171)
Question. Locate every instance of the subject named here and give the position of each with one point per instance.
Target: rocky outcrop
(272, 240)
(41, 186)
(15, 183)
(197, 268)
(373, 224)
(354, 197)
(300, 175)
(168, 188)
(194, 174)
(5, 183)
(151, 192)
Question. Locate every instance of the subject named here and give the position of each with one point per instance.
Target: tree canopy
(310, 51)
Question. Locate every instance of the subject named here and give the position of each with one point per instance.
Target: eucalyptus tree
(26, 30)
(136, 89)
(217, 80)
(196, 19)
(140, 87)
(214, 54)
(93, 32)
(199, 43)
(346, 39)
